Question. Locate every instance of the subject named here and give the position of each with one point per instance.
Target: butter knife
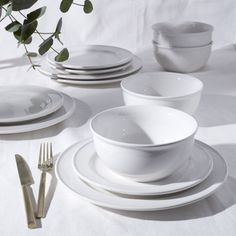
(26, 180)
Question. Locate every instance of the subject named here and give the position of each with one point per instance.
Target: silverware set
(45, 164)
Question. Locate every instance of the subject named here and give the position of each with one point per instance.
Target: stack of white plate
(94, 64)
(29, 108)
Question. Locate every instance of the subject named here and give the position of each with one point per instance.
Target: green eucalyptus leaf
(58, 27)
(34, 15)
(18, 5)
(17, 35)
(9, 10)
(27, 30)
(88, 6)
(45, 45)
(65, 5)
(4, 2)
(63, 55)
(13, 27)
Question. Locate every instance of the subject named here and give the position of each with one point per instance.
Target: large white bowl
(174, 90)
(185, 34)
(183, 60)
(143, 143)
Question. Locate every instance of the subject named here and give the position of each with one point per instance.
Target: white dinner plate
(45, 69)
(90, 72)
(24, 103)
(60, 115)
(90, 169)
(93, 57)
(68, 177)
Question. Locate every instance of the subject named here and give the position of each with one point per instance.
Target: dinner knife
(26, 180)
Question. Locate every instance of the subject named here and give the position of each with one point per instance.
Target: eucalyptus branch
(24, 31)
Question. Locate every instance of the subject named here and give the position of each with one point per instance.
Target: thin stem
(27, 53)
(39, 34)
(77, 4)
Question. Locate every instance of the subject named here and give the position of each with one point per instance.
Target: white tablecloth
(69, 215)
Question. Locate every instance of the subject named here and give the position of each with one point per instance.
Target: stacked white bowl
(182, 47)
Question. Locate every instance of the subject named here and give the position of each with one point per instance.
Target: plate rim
(105, 204)
(135, 193)
(36, 125)
(38, 115)
(134, 66)
(90, 47)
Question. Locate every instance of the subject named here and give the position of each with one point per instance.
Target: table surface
(68, 214)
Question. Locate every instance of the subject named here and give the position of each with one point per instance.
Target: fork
(45, 164)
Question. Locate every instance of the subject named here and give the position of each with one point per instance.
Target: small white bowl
(183, 60)
(185, 34)
(143, 143)
(174, 90)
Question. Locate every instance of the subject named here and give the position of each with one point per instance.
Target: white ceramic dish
(143, 143)
(90, 72)
(24, 103)
(184, 34)
(45, 69)
(67, 176)
(93, 57)
(174, 90)
(183, 60)
(60, 115)
(90, 169)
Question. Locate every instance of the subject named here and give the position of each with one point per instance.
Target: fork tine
(51, 155)
(44, 154)
(40, 155)
(48, 154)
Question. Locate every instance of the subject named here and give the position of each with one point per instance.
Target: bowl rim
(163, 98)
(155, 44)
(124, 144)
(210, 28)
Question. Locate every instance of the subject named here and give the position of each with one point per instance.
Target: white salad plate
(91, 169)
(90, 72)
(68, 177)
(93, 57)
(60, 115)
(24, 103)
(45, 69)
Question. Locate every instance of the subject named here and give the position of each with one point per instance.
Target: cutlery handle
(31, 221)
(41, 196)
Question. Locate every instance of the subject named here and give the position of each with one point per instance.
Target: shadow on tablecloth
(223, 199)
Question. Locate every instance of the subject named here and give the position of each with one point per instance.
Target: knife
(26, 180)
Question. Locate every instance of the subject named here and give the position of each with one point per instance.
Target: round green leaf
(13, 27)
(18, 5)
(34, 15)
(65, 5)
(88, 6)
(63, 55)
(45, 46)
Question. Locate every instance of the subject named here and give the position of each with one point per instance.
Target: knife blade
(26, 180)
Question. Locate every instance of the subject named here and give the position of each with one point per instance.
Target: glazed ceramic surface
(134, 66)
(24, 103)
(143, 143)
(60, 115)
(174, 90)
(185, 34)
(68, 177)
(183, 60)
(89, 168)
(94, 57)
